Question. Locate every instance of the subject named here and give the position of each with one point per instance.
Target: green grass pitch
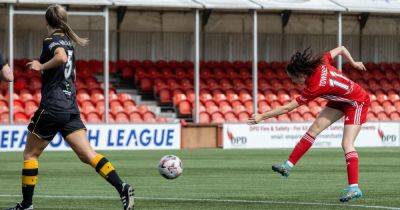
(212, 179)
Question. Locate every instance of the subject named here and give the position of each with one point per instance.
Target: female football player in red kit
(346, 99)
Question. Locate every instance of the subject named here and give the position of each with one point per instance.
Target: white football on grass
(170, 167)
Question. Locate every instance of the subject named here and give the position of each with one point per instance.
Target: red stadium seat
(371, 117)
(395, 116)
(243, 116)
(127, 73)
(308, 117)
(263, 107)
(93, 118)
(124, 97)
(218, 97)
(96, 97)
(20, 118)
(190, 95)
(212, 109)
(217, 117)
(224, 108)
(393, 96)
(4, 118)
(230, 117)
(162, 120)
(37, 97)
(382, 116)
(165, 96)
(238, 109)
(143, 109)
(303, 109)
(204, 117)
(135, 117)
(115, 103)
(113, 97)
(149, 117)
(232, 96)
(296, 117)
(249, 106)
(244, 96)
(283, 118)
(275, 104)
(83, 97)
(178, 97)
(184, 108)
(116, 109)
(121, 118)
(146, 85)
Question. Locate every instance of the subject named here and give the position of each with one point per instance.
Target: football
(170, 167)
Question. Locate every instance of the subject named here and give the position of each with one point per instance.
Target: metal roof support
(197, 66)
(11, 60)
(255, 62)
(106, 65)
(339, 39)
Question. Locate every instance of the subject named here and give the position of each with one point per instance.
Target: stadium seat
(135, 117)
(204, 117)
(230, 117)
(217, 117)
(93, 118)
(243, 116)
(184, 108)
(149, 117)
(225, 90)
(121, 118)
(20, 118)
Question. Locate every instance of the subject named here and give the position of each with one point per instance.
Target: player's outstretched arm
(342, 50)
(256, 118)
(60, 57)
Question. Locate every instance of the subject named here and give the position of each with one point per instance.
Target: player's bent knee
(347, 146)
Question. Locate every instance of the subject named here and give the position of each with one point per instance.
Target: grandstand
(152, 79)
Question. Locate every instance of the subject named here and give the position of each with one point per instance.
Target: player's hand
(255, 119)
(35, 65)
(359, 66)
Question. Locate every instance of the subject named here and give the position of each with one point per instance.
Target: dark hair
(303, 63)
(56, 17)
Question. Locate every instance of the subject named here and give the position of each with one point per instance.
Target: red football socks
(301, 148)
(352, 167)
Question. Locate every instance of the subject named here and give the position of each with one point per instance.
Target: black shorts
(45, 125)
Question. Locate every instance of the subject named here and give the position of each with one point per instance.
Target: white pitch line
(83, 197)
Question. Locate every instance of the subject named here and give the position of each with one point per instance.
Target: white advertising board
(286, 135)
(104, 137)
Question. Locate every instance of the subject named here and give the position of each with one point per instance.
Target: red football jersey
(327, 82)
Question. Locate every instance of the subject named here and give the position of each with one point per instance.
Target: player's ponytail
(303, 63)
(56, 17)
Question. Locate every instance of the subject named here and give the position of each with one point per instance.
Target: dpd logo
(386, 138)
(236, 140)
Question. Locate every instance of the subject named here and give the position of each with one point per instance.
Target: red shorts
(354, 114)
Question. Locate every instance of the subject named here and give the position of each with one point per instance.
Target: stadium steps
(153, 105)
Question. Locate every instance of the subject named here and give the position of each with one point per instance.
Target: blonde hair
(56, 17)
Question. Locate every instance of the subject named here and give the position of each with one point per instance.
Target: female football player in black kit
(58, 111)
(5, 71)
